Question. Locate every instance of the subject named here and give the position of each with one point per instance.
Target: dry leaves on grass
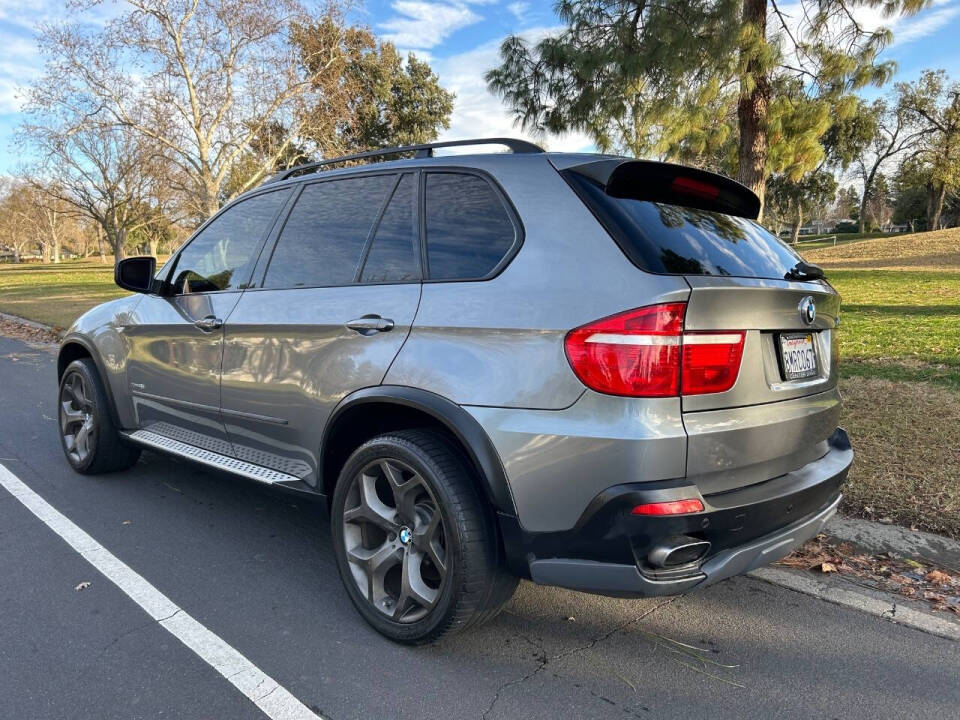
(919, 579)
(22, 331)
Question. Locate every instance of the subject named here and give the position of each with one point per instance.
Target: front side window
(323, 239)
(468, 229)
(222, 255)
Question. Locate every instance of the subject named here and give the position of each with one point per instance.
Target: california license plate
(799, 359)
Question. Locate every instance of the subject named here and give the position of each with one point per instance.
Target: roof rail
(422, 151)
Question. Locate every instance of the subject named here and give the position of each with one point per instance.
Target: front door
(176, 339)
(331, 311)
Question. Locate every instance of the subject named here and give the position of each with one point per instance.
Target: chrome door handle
(209, 323)
(370, 324)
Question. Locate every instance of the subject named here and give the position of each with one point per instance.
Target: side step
(168, 445)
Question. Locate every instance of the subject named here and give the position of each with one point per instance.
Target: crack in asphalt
(544, 659)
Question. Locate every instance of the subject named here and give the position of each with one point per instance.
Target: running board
(168, 445)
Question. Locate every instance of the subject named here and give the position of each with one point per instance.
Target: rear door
(777, 335)
(333, 304)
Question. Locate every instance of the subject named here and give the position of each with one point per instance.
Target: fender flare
(453, 417)
(75, 339)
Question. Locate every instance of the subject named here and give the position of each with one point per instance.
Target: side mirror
(135, 274)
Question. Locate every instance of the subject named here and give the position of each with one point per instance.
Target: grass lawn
(56, 294)
(900, 376)
(814, 242)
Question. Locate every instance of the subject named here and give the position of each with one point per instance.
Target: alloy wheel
(395, 542)
(77, 422)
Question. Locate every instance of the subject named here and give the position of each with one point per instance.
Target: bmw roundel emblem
(808, 310)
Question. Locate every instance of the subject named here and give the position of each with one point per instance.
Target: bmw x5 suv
(590, 371)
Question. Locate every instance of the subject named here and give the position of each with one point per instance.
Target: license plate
(799, 359)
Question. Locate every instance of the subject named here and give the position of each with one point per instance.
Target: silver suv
(589, 371)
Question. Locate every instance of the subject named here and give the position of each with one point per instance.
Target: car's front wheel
(88, 435)
(415, 542)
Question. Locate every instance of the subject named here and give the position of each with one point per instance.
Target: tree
(16, 228)
(102, 169)
(847, 205)
(935, 102)
(793, 201)
(895, 133)
(368, 97)
(619, 67)
(197, 79)
(878, 204)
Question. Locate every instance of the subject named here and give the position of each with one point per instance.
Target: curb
(902, 542)
(30, 323)
(887, 609)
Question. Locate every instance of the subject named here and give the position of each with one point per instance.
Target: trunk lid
(766, 424)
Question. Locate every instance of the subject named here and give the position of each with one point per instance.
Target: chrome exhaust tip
(678, 550)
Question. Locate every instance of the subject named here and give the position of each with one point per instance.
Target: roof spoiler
(671, 184)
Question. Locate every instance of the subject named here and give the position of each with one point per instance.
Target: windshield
(675, 240)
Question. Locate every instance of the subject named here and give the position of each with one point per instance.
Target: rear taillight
(645, 353)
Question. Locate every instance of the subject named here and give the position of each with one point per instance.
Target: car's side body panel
(289, 359)
(173, 367)
(499, 342)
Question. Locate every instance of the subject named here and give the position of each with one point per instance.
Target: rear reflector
(645, 353)
(673, 507)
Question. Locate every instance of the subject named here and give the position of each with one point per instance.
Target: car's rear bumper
(608, 551)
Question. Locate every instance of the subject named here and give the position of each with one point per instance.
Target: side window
(221, 257)
(323, 238)
(468, 228)
(396, 243)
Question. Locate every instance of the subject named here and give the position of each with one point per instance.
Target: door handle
(209, 323)
(370, 324)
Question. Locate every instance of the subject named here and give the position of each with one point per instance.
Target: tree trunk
(867, 185)
(795, 231)
(938, 201)
(56, 250)
(752, 111)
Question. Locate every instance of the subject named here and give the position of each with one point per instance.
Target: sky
(460, 38)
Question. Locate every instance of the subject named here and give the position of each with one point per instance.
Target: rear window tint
(674, 240)
(468, 228)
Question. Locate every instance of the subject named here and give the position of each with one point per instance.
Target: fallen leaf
(82, 586)
(828, 567)
(912, 563)
(938, 578)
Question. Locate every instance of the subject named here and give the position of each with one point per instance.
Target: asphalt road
(256, 568)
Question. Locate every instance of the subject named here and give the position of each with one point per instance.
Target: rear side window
(396, 243)
(674, 240)
(323, 239)
(468, 229)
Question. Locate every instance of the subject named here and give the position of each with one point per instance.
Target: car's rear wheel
(88, 435)
(415, 542)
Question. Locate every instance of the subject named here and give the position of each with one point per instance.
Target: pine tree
(676, 78)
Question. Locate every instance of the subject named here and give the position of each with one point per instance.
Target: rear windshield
(674, 240)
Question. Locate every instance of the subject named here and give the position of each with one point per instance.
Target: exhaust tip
(678, 550)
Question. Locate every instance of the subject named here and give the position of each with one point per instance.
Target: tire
(415, 542)
(88, 434)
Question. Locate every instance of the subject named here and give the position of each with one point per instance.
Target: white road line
(275, 701)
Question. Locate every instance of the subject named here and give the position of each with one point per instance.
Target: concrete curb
(30, 323)
(901, 542)
(875, 605)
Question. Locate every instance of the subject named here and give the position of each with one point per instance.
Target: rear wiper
(804, 271)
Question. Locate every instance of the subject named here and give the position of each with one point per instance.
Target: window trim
(518, 230)
(255, 257)
(300, 187)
